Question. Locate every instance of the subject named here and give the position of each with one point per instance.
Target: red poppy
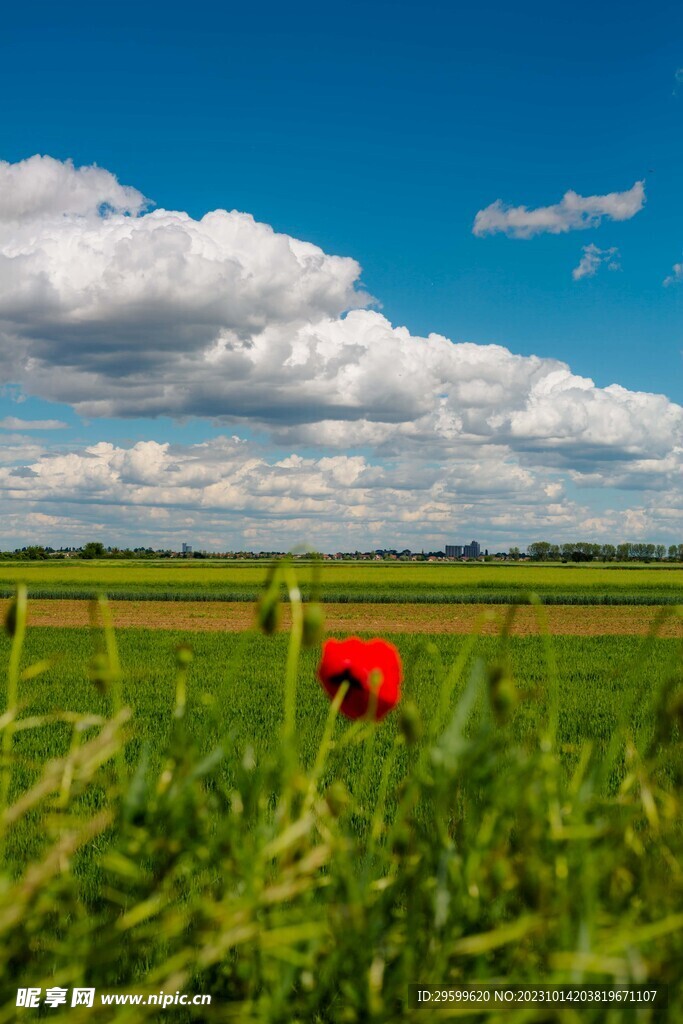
(368, 666)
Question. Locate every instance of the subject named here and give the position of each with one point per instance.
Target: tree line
(544, 551)
(93, 549)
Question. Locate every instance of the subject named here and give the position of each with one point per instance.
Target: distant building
(187, 549)
(471, 550)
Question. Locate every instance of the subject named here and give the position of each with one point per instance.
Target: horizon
(606, 551)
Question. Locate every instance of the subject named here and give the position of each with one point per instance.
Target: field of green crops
(528, 833)
(364, 582)
(516, 818)
(235, 687)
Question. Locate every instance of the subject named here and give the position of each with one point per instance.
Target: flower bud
(337, 798)
(502, 692)
(100, 672)
(410, 723)
(314, 623)
(268, 612)
(11, 618)
(183, 655)
(675, 709)
(402, 841)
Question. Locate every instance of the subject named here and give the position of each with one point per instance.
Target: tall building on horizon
(471, 550)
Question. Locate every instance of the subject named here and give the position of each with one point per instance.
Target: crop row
(378, 595)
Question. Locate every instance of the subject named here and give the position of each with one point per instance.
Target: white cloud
(234, 486)
(131, 314)
(236, 493)
(224, 318)
(152, 314)
(593, 258)
(14, 423)
(571, 213)
(675, 277)
(44, 187)
(19, 449)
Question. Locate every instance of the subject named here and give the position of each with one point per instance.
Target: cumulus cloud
(123, 313)
(235, 493)
(593, 258)
(149, 314)
(233, 482)
(44, 187)
(359, 381)
(571, 213)
(234, 475)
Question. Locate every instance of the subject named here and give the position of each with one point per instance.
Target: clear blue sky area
(378, 131)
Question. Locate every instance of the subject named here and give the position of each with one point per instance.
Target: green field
(525, 827)
(235, 689)
(363, 582)
(240, 676)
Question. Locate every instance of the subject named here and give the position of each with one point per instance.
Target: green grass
(532, 833)
(240, 675)
(235, 688)
(346, 582)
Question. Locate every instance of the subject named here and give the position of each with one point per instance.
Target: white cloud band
(573, 212)
(121, 313)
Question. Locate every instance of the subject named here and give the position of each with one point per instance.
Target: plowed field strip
(214, 616)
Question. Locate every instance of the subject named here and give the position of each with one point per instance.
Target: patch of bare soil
(216, 616)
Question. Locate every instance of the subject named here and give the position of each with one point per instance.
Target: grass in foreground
(311, 872)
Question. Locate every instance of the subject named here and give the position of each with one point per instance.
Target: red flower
(372, 665)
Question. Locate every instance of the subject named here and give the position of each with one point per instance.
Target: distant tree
(539, 550)
(35, 553)
(93, 549)
(514, 553)
(660, 551)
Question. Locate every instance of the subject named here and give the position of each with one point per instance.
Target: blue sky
(377, 132)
